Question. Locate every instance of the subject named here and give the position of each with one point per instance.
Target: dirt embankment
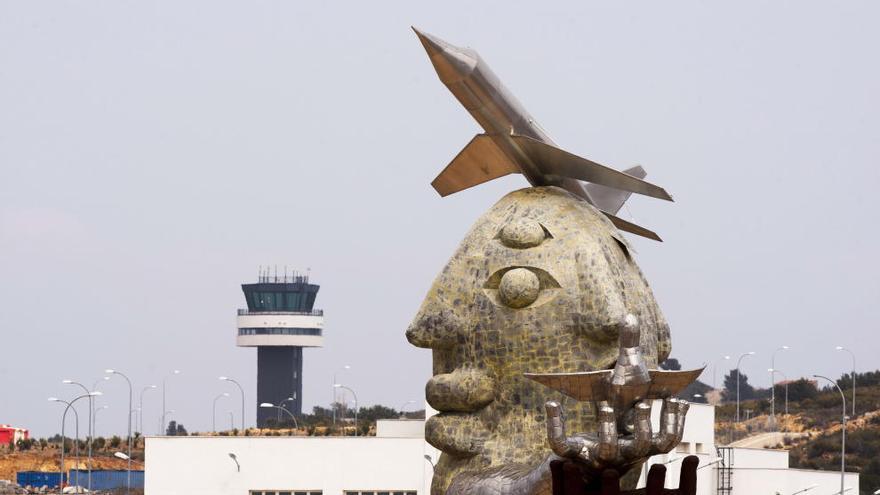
(49, 459)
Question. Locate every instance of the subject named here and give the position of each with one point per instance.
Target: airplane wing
(610, 199)
(588, 385)
(553, 160)
(665, 384)
(480, 161)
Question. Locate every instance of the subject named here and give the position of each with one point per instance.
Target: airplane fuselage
(472, 82)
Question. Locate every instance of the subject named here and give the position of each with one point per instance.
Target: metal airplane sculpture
(515, 143)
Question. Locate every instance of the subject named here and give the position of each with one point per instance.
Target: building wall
(202, 466)
(786, 481)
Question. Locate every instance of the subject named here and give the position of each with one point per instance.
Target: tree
(798, 390)
(746, 391)
(670, 364)
(175, 430)
(115, 441)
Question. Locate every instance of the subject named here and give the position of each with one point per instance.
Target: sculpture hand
(607, 447)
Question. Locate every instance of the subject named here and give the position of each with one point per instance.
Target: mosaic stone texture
(541, 283)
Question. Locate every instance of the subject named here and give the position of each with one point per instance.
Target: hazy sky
(154, 154)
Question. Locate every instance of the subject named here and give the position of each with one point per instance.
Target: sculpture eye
(519, 287)
(523, 233)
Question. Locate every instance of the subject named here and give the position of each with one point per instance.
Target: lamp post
(240, 389)
(281, 403)
(333, 389)
(164, 407)
(853, 356)
(231, 420)
(403, 406)
(128, 478)
(738, 362)
(772, 386)
(141, 407)
(214, 412)
(90, 433)
(270, 405)
(771, 370)
(339, 385)
(842, 429)
(63, 421)
(802, 490)
(715, 372)
(95, 418)
(165, 415)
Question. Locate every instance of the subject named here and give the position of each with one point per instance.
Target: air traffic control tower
(279, 321)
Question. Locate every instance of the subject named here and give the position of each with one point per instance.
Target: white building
(393, 463)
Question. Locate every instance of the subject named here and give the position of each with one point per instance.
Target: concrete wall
(202, 466)
(787, 481)
(400, 428)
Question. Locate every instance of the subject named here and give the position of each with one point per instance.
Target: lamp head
(785, 348)
(225, 394)
(67, 382)
(223, 378)
(267, 404)
(54, 399)
(337, 385)
(726, 357)
(839, 348)
(96, 393)
(175, 372)
(152, 386)
(232, 456)
(751, 353)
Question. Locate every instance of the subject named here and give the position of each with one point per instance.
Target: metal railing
(314, 312)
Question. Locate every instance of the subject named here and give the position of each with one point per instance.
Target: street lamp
(141, 407)
(404, 407)
(784, 377)
(165, 415)
(841, 348)
(164, 379)
(227, 379)
(63, 421)
(214, 412)
(90, 433)
(738, 362)
(333, 405)
(715, 372)
(717, 460)
(235, 460)
(115, 372)
(431, 462)
(772, 385)
(339, 385)
(121, 455)
(802, 490)
(273, 406)
(95, 418)
(842, 429)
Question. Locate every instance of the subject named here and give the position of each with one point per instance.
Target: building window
(285, 492)
(380, 492)
(280, 331)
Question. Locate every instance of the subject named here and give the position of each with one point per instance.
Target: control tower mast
(279, 321)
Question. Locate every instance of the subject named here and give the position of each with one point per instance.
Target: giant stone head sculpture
(542, 282)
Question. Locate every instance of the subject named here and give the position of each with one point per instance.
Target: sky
(154, 154)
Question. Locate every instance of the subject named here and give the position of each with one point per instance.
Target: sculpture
(543, 283)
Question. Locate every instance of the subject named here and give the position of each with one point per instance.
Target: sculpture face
(541, 284)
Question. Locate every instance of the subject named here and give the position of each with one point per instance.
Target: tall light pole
(273, 406)
(115, 372)
(90, 434)
(738, 373)
(231, 420)
(771, 370)
(165, 407)
(403, 406)
(842, 429)
(166, 414)
(214, 411)
(333, 389)
(240, 389)
(339, 385)
(772, 385)
(841, 348)
(95, 418)
(76, 442)
(141, 407)
(715, 372)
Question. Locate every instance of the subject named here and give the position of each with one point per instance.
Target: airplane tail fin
(480, 161)
(610, 199)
